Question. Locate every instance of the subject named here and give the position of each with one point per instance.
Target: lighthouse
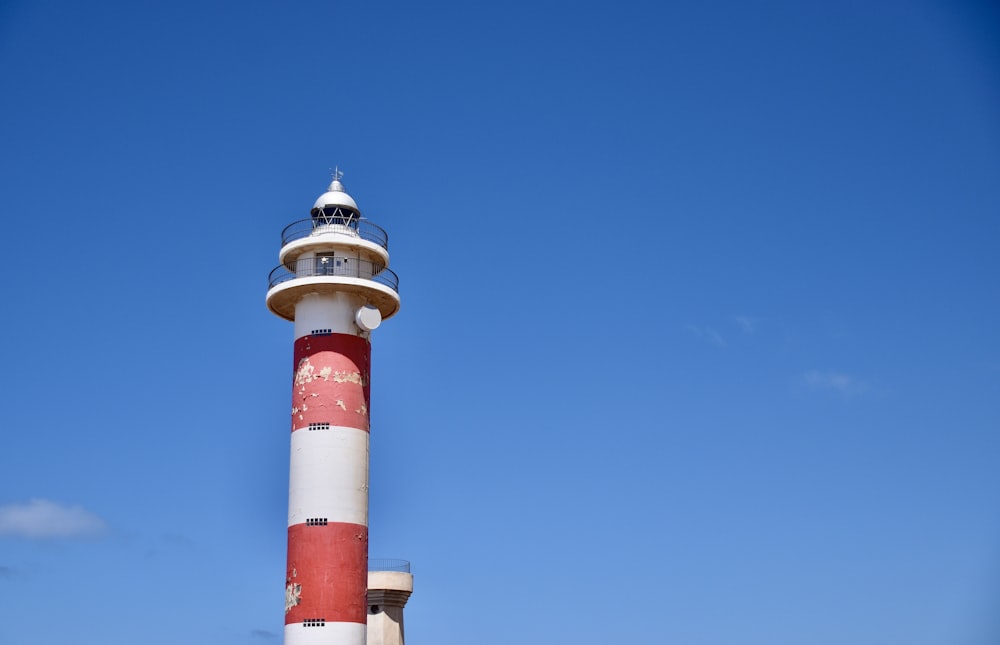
(334, 283)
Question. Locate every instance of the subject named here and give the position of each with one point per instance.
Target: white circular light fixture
(368, 318)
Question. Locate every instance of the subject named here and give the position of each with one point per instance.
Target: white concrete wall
(297, 634)
(328, 311)
(388, 592)
(329, 475)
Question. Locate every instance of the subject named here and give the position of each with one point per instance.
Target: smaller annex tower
(335, 285)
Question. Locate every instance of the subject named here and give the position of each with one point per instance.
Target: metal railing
(388, 564)
(333, 266)
(321, 224)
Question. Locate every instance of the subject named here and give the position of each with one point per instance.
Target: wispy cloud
(41, 518)
(263, 634)
(843, 384)
(747, 324)
(707, 333)
(170, 543)
(178, 540)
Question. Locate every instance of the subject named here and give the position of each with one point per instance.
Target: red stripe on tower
(331, 381)
(327, 575)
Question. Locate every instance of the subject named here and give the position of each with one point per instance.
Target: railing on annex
(388, 564)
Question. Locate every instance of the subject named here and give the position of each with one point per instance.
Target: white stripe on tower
(325, 460)
(330, 633)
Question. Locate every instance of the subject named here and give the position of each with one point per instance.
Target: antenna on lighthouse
(335, 184)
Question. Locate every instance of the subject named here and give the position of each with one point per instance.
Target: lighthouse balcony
(346, 224)
(341, 228)
(329, 273)
(334, 267)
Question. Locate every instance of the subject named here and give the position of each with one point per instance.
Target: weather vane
(336, 173)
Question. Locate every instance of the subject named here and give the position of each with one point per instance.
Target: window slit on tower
(319, 426)
(314, 622)
(321, 332)
(316, 521)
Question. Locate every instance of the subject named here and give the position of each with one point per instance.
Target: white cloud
(709, 334)
(40, 518)
(747, 324)
(844, 384)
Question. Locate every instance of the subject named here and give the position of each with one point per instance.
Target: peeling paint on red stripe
(327, 574)
(331, 381)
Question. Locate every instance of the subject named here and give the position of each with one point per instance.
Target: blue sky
(699, 330)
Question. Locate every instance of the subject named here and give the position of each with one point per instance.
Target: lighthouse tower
(335, 285)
